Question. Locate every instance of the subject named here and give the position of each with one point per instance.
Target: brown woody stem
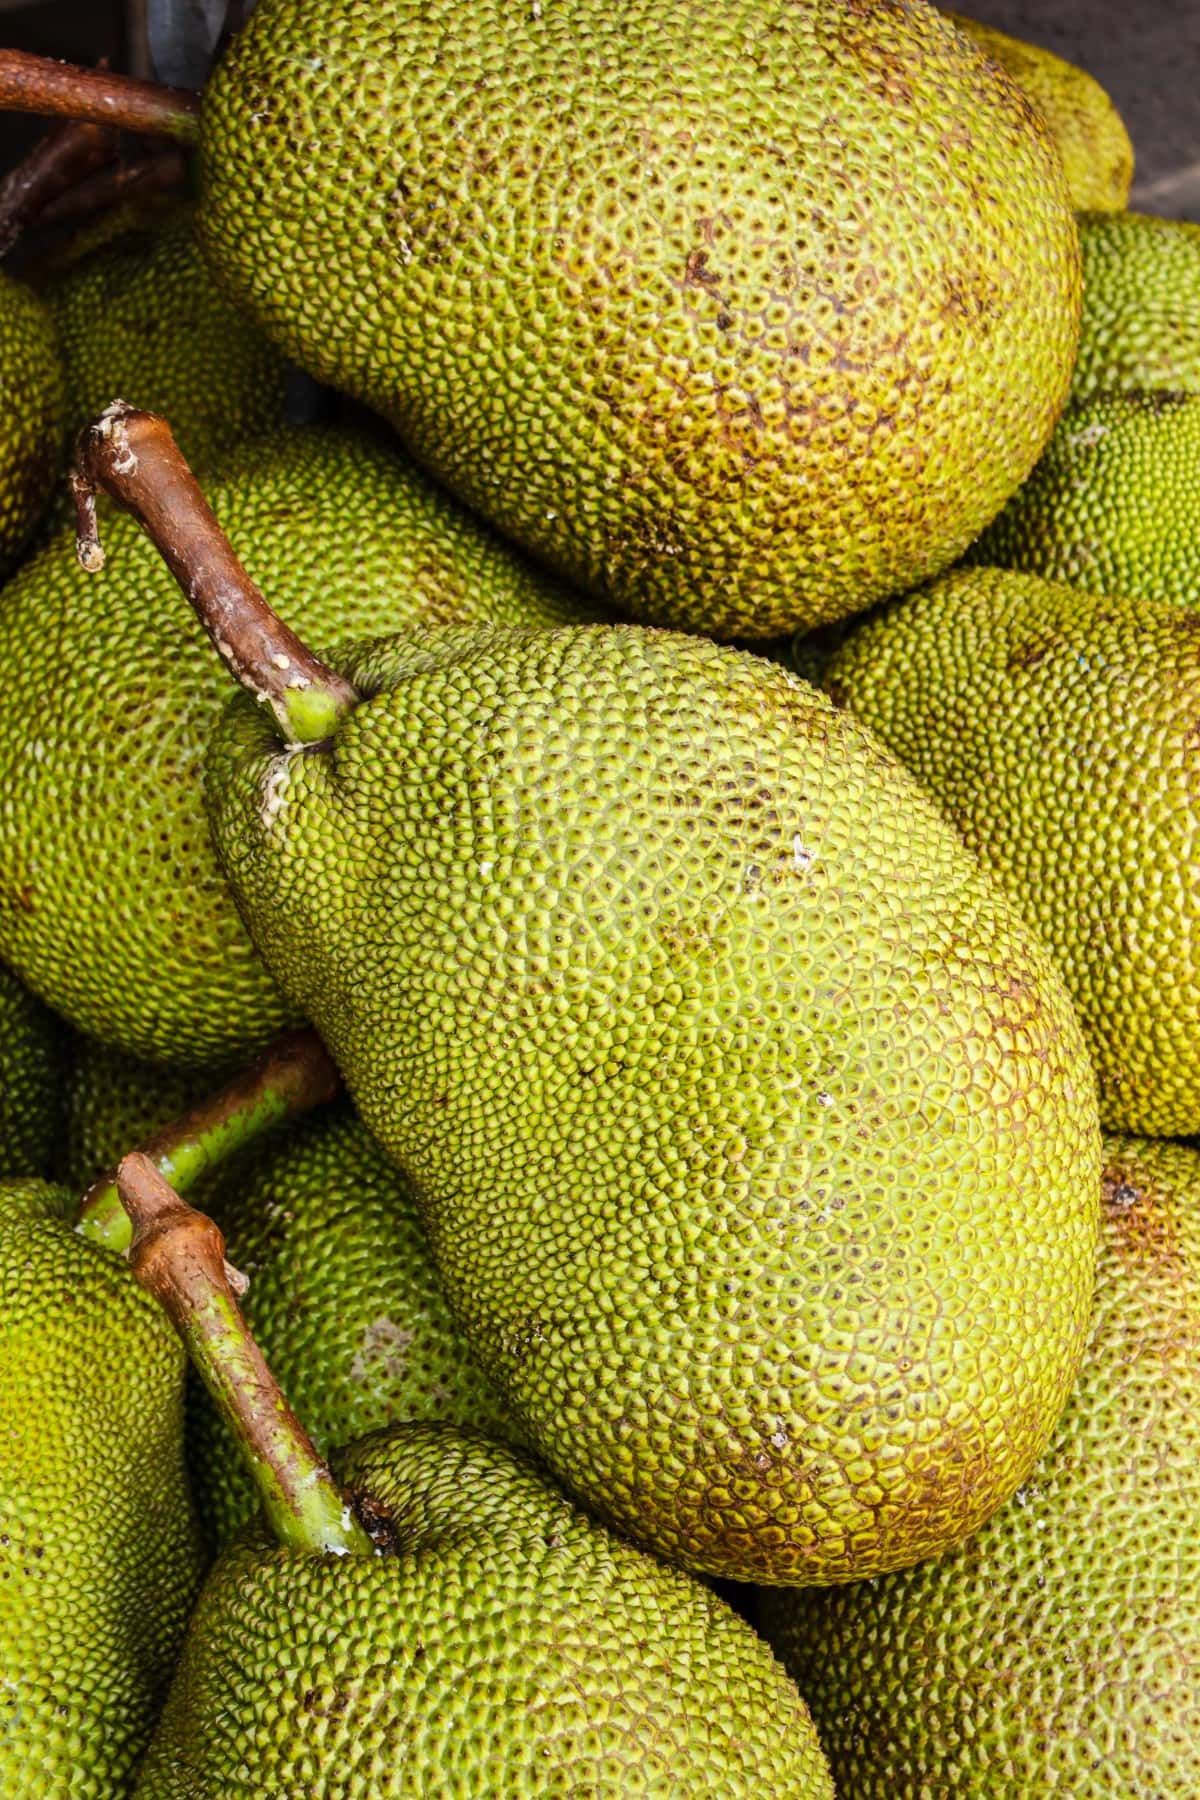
(133, 457)
(66, 154)
(38, 84)
(178, 1256)
(293, 1075)
(159, 173)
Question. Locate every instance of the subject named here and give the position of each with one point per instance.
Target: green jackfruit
(1058, 1651)
(139, 315)
(344, 1302)
(1114, 504)
(99, 1554)
(1141, 305)
(716, 1066)
(32, 415)
(100, 766)
(31, 1082)
(740, 315)
(1057, 730)
(507, 1646)
(1085, 125)
(112, 1102)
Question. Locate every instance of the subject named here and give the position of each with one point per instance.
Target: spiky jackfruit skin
(740, 315)
(1114, 504)
(509, 1647)
(1141, 305)
(112, 1103)
(100, 765)
(99, 1554)
(140, 317)
(1058, 1651)
(1056, 729)
(32, 415)
(31, 1081)
(718, 1069)
(1087, 129)
(344, 1303)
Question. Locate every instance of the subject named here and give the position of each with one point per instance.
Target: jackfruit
(642, 1025)
(100, 1557)
(112, 1102)
(1057, 730)
(1058, 1651)
(32, 415)
(100, 766)
(139, 315)
(740, 316)
(443, 1621)
(1114, 504)
(31, 1070)
(344, 1302)
(1141, 305)
(1085, 125)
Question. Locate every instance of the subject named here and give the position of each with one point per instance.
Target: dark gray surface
(1147, 54)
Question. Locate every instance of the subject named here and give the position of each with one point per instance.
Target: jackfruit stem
(133, 457)
(39, 84)
(292, 1075)
(178, 1256)
(164, 169)
(64, 156)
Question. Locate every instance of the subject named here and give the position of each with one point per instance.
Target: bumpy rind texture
(140, 317)
(99, 1556)
(31, 1082)
(1057, 730)
(1141, 305)
(1114, 504)
(1058, 1652)
(1087, 129)
(112, 1103)
(756, 1140)
(509, 1647)
(32, 415)
(740, 315)
(112, 906)
(344, 1303)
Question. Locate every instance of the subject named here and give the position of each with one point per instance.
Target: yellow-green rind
(99, 1555)
(140, 318)
(112, 1103)
(740, 316)
(32, 415)
(1087, 129)
(1114, 504)
(509, 1647)
(1141, 305)
(344, 1302)
(1057, 1652)
(755, 1137)
(112, 905)
(1057, 731)
(31, 1082)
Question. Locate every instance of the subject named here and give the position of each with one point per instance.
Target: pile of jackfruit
(599, 917)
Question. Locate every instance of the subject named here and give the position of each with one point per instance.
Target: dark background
(1145, 52)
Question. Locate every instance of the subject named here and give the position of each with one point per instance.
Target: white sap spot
(485, 869)
(824, 1099)
(1089, 437)
(802, 857)
(274, 791)
(779, 1437)
(281, 661)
